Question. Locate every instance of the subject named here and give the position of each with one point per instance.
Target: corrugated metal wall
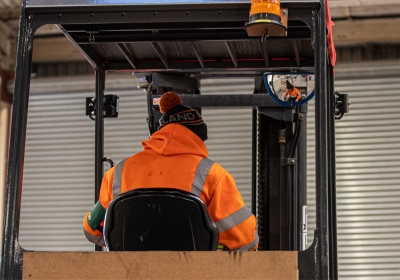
(368, 171)
(59, 172)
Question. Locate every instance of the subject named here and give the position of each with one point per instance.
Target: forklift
(172, 46)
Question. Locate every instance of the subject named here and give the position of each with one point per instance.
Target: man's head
(289, 85)
(174, 112)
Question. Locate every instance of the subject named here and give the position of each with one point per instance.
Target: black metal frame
(179, 23)
(226, 21)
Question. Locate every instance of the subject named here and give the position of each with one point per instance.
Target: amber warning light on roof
(266, 19)
(265, 6)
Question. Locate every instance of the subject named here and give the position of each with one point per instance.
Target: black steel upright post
(99, 135)
(321, 147)
(254, 162)
(11, 258)
(333, 265)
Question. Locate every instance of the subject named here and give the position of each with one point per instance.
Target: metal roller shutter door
(367, 171)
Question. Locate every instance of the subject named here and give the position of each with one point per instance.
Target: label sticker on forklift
(304, 218)
(156, 101)
(304, 230)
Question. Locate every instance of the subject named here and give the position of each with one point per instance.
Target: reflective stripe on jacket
(174, 157)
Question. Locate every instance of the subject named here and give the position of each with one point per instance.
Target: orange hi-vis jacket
(175, 157)
(294, 93)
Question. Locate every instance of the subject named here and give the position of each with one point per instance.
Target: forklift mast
(172, 46)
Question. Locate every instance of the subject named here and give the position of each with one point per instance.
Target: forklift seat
(159, 219)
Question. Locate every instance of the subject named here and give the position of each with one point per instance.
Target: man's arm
(298, 94)
(94, 220)
(93, 224)
(286, 95)
(235, 222)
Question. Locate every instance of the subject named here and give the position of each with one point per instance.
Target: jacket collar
(175, 139)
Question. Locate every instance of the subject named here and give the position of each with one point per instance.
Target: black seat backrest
(158, 220)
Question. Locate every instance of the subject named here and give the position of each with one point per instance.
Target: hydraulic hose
(150, 117)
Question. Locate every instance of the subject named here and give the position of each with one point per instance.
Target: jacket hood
(175, 139)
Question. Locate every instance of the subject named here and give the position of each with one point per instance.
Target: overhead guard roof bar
(128, 55)
(157, 2)
(179, 34)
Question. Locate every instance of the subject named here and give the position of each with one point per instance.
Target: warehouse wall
(367, 171)
(59, 171)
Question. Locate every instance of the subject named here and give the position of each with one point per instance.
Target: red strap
(329, 37)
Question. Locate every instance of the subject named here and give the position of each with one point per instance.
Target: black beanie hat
(174, 112)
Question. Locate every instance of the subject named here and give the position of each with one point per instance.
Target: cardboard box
(160, 265)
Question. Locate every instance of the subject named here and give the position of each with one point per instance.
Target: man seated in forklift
(291, 93)
(175, 156)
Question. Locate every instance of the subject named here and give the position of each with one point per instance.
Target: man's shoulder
(217, 168)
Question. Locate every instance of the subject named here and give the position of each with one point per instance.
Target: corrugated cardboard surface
(160, 265)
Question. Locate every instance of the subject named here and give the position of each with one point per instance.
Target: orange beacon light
(265, 19)
(265, 6)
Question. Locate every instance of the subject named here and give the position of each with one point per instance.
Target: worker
(291, 93)
(175, 156)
